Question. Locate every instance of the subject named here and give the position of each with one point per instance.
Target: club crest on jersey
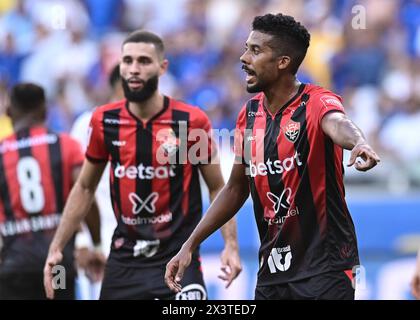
(291, 130)
(168, 141)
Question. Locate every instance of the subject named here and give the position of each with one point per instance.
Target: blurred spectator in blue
(360, 62)
(105, 15)
(10, 61)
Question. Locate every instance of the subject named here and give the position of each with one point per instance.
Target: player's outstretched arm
(346, 134)
(231, 262)
(224, 207)
(77, 206)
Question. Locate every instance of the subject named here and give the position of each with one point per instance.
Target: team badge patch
(291, 130)
(168, 141)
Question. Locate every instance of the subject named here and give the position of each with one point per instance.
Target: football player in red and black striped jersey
(289, 147)
(37, 169)
(154, 181)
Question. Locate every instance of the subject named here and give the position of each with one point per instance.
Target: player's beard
(258, 86)
(149, 88)
(253, 88)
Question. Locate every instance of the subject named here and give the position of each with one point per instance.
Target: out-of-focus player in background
(415, 282)
(84, 247)
(157, 203)
(37, 170)
(289, 149)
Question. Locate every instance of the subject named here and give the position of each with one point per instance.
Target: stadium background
(69, 47)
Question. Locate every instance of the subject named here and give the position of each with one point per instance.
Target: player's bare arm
(77, 206)
(92, 219)
(92, 261)
(231, 263)
(224, 207)
(346, 134)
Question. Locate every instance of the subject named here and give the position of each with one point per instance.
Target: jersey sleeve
(324, 103)
(205, 148)
(96, 150)
(238, 146)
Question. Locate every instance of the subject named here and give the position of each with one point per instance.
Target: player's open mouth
(135, 84)
(250, 74)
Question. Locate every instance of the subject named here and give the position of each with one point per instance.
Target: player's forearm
(345, 133)
(77, 206)
(93, 222)
(224, 207)
(229, 233)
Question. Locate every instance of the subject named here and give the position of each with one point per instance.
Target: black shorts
(30, 286)
(122, 283)
(335, 285)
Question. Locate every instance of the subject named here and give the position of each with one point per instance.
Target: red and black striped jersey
(295, 176)
(35, 179)
(155, 189)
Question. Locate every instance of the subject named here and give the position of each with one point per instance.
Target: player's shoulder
(100, 110)
(195, 113)
(323, 95)
(252, 103)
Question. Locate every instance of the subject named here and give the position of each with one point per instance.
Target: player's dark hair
(27, 97)
(289, 36)
(114, 76)
(146, 37)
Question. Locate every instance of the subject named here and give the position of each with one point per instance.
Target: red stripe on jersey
(2, 212)
(11, 160)
(160, 186)
(67, 167)
(286, 150)
(116, 210)
(41, 154)
(317, 172)
(127, 160)
(257, 154)
(338, 162)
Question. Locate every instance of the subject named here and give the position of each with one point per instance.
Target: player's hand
(92, 261)
(364, 151)
(82, 256)
(175, 269)
(415, 285)
(54, 258)
(96, 266)
(231, 264)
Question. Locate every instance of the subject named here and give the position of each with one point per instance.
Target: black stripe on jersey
(252, 106)
(4, 192)
(57, 172)
(338, 217)
(25, 152)
(272, 130)
(144, 145)
(112, 133)
(304, 196)
(195, 205)
(180, 128)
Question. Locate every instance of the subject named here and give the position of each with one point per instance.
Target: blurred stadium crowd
(70, 46)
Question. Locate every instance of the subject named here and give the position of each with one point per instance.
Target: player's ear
(283, 62)
(163, 66)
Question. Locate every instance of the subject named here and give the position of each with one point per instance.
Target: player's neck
(280, 93)
(26, 124)
(147, 109)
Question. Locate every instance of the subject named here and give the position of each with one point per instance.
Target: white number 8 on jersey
(31, 192)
